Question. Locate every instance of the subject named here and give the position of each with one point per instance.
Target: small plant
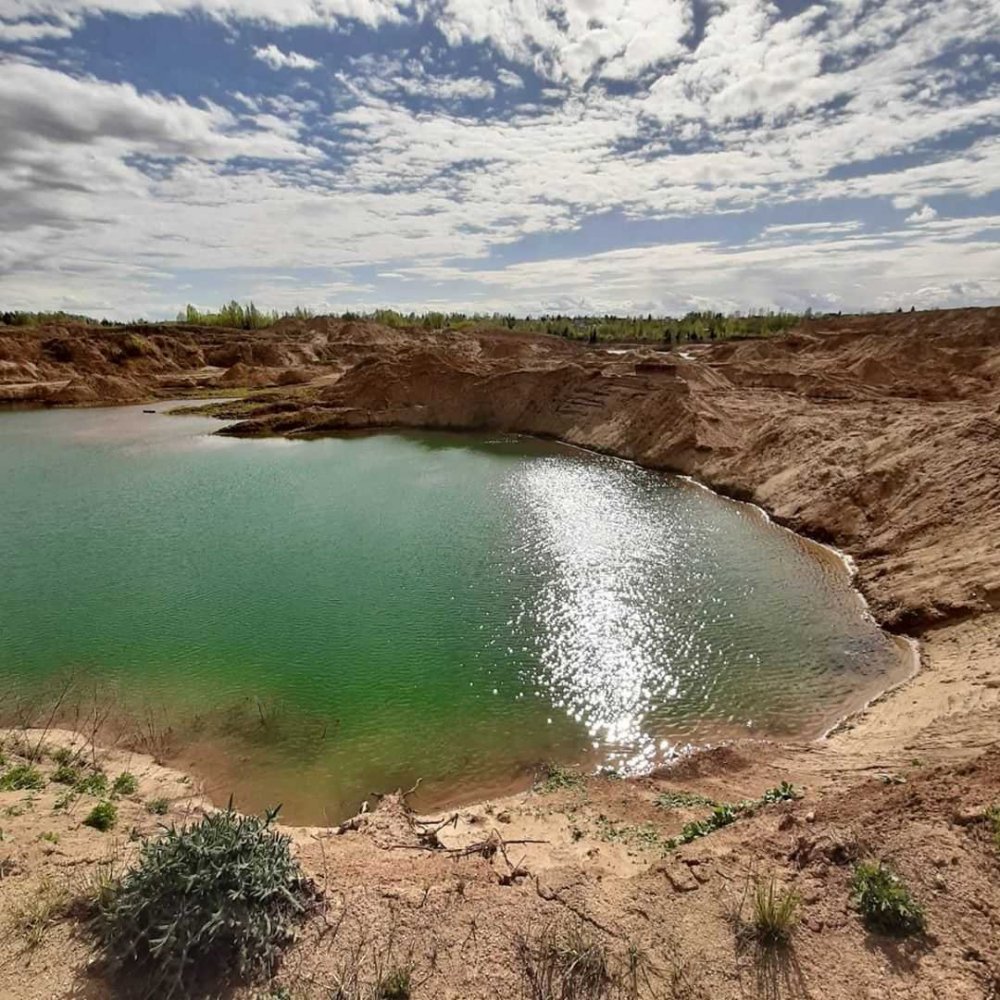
(64, 756)
(220, 896)
(33, 917)
(557, 778)
(884, 900)
(125, 784)
(565, 965)
(103, 816)
(64, 801)
(682, 800)
(775, 913)
(158, 807)
(50, 835)
(785, 792)
(993, 818)
(397, 984)
(66, 774)
(94, 783)
(20, 777)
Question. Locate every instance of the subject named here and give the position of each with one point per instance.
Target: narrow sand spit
(878, 435)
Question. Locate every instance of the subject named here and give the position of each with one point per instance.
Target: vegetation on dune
(725, 813)
(884, 900)
(219, 898)
(22, 777)
(102, 817)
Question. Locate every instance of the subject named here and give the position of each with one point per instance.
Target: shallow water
(313, 621)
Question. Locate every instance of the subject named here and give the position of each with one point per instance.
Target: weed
(682, 800)
(993, 818)
(645, 836)
(557, 778)
(64, 801)
(125, 784)
(565, 965)
(36, 914)
(725, 813)
(397, 984)
(64, 756)
(158, 807)
(22, 776)
(775, 913)
(103, 816)
(66, 774)
(785, 792)
(219, 896)
(50, 835)
(884, 900)
(94, 783)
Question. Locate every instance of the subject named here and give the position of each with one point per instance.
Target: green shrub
(158, 807)
(103, 816)
(884, 900)
(20, 777)
(218, 897)
(125, 784)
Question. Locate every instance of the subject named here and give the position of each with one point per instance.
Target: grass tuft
(774, 915)
(102, 817)
(158, 807)
(21, 777)
(884, 900)
(125, 784)
(94, 783)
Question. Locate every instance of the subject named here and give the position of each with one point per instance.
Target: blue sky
(516, 155)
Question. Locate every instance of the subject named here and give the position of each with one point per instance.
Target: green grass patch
(158, 806)
(884, 900)
(66, 774)
(93, 783)
(20, 777)
(125, 784)
(103, 816)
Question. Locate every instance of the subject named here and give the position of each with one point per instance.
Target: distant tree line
(696, 326)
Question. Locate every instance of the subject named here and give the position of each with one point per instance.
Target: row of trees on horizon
(701, 325)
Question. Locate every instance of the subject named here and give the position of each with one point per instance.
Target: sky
(525, 156)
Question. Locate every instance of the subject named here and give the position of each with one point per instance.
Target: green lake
(309, 622)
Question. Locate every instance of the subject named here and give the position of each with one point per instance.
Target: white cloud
(924, 214)
(509, 79)
(282, 13)
(277, 59)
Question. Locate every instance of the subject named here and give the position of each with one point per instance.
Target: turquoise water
(312, 621)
